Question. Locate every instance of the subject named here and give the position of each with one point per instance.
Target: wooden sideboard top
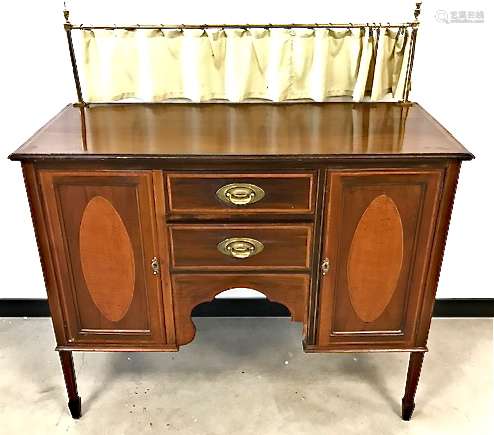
(315, 131)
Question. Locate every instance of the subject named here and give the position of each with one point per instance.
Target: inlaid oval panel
(107, 258)
(375, 258)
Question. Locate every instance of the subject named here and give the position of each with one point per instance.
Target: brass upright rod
(413, 42)
(75, 71)
(73, 60)
(74, 67)
(408, 79)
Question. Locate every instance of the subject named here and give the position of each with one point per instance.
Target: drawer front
(197, 194)
(240, 247)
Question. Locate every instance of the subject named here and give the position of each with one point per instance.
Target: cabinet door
(379, 227)
(104, 239)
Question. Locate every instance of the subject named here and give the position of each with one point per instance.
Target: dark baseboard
(464, 308)
(255, 308)
(24, 308)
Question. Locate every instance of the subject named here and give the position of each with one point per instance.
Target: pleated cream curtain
(244, 64)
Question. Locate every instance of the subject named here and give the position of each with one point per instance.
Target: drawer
(240, 247)
(200, 194)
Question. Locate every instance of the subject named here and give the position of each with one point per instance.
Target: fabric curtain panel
(245, 64)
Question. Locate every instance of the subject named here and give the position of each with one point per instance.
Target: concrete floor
(247, 376)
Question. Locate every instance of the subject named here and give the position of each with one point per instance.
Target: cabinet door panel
(104, 235)
(379, 227)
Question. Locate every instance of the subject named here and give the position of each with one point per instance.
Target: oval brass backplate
(240, 194)
(240, 247)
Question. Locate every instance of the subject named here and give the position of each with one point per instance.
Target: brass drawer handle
(240, 247)
(240, 193)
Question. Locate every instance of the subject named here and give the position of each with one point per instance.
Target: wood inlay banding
(107, 258)
(375, 259)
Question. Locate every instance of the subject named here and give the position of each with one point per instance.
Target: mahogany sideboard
(339, 211)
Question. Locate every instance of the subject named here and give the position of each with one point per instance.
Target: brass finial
(416, 13)
(66, 14)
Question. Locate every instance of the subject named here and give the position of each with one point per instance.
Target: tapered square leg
(70, 383)
(413, 375)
